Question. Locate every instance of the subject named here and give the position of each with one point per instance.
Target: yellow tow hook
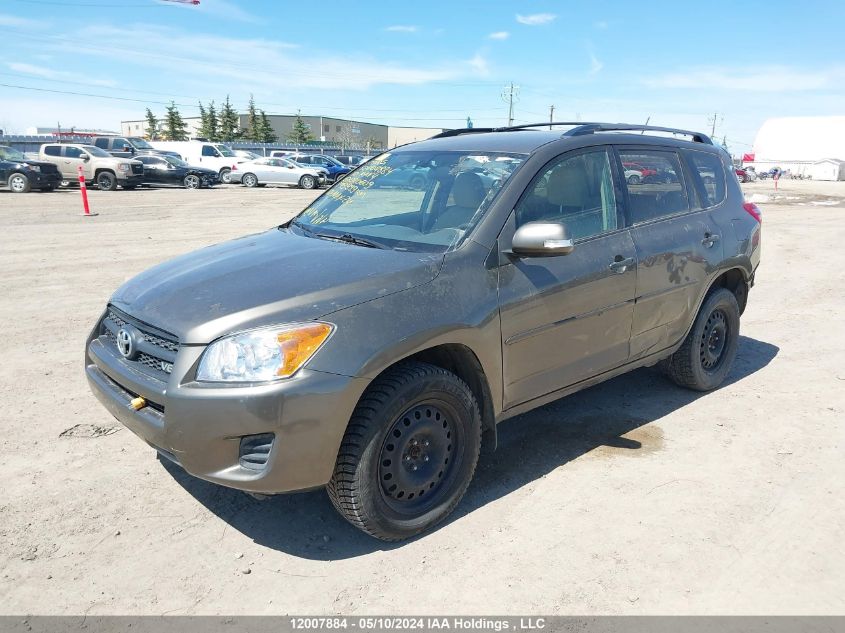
(138, 403)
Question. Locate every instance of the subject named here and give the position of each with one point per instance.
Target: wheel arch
(735, 280)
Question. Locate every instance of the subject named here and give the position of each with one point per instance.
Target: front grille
(156, 353)
(137, 169)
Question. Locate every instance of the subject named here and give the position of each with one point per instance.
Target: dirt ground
(633, 497)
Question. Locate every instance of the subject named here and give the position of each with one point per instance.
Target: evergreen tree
(268, 135)
(253, 123)
(213, 131)
(229, 122)
(174, 125)
(300, 133)
(152, 126)
(201, 132)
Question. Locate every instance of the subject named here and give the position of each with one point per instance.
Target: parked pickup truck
(98, 166)
(21, 175)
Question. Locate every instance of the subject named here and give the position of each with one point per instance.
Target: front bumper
(200, 426)
(134, 180)
(39, 179)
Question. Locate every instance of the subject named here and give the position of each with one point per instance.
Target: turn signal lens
(299, 345)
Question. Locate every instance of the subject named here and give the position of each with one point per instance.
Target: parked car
(407, 177)
(216, 156)
(98, 166)
(351, 161)
(126, 146)
(335, 169)
(278, 171)
(645, 173)
(168, 170)
(21, 174)
(741, 174)
(371, 344)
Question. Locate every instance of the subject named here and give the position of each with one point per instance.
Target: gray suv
(372, 344)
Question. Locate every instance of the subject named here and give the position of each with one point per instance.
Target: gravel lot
(633, 497)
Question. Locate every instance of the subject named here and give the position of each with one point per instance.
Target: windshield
(411, 200)
(140, 143)
(225, 151)
(175, 161)
(96, 151)
(10, 153)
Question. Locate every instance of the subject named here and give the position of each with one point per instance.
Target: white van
(215, 156)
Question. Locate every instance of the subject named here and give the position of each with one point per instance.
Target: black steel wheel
(708, 352)
(409, 452)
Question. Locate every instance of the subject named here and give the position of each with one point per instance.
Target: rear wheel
(708, 352)
(106, 181)
(409, 452)
(307, 182)
(633, 179)
(19, 183)
(192, 181)
(249, 180)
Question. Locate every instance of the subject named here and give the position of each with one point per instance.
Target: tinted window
(119, 144)
(208, 150)
(102, 142)
(576, 191)
(72, 152)
(708, 169)
(655, 184)
(53, 150)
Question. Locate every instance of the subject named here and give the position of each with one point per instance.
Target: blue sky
(426, 63)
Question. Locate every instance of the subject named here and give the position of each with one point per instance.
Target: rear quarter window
(708, 170)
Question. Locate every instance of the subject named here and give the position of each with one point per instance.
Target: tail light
(754, 211)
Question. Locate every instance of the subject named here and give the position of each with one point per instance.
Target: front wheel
(417, 183)
(106, 181)
(634, 179)
(409, 452)
(225, 175)
(249, 180)
(307, 182)
(19, 183)
(192, 181)
(708, 352)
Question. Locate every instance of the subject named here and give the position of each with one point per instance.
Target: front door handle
(710, 239)
(621, 265)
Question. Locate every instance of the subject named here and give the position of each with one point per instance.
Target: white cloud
(499, 35)
(479, 64)
(595, 64)
(401, 28)
(49, 73)
(761, 79)
(535, 19)
(13, 20)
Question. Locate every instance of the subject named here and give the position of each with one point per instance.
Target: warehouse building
(810, 146)
(340, 132)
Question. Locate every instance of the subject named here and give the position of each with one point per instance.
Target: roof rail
(592, 128)
(581, 128)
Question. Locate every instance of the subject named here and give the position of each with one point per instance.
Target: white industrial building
(812, 146)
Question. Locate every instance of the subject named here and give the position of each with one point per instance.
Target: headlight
(34, 167)
(123, 167)
(264, 354)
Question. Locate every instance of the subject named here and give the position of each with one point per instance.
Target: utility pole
(551, 115)
(713, 120)
(509, 94)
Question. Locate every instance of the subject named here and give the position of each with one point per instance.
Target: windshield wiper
(350, 239)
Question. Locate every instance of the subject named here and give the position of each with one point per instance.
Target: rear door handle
(621, 265)
(709, 240)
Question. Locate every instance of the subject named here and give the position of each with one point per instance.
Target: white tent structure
(814, 146)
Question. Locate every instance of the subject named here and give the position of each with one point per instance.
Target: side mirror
(85, 157)
(542, 239)
(290, 166)
(128, 148)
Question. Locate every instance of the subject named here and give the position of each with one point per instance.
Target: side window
(72, 152)
(208, 150)
(655, 184)
(53, 150)
(711, 174)
(576, 191)
(102, 143)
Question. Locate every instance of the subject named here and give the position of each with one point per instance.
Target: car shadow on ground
(529, 446)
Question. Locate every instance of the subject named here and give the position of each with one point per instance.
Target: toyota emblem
(126, 343)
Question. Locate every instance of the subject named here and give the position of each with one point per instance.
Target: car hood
(264, 279)
(38, 163)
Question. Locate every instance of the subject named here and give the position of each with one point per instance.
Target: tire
(106, 181)
(708, 352)
(249, 180)
(416, 431)
(307, 182)
(192, 181)
(225, 175)
(19, 183)
(633, 179)
(417, 183)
